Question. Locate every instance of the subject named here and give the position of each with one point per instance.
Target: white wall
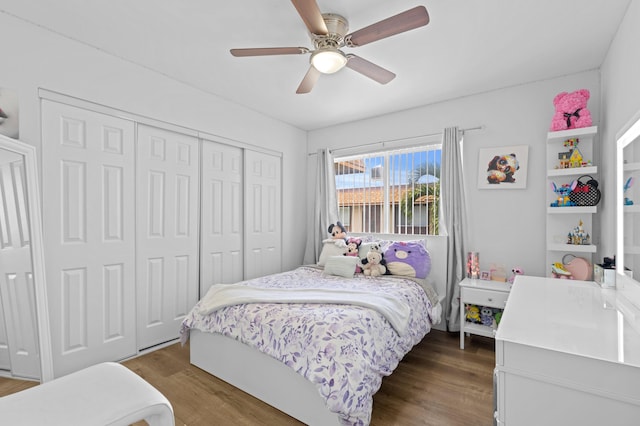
(620, 102)
(34, 58)
(507, 226)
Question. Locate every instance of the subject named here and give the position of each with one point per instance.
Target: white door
(18, 330)
(89, 218)
(263, 214)
(221, 259)
(167, 232)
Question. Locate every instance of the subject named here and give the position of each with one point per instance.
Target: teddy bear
(353, 244)
(373, 265)
(338, 234)
(571, 110)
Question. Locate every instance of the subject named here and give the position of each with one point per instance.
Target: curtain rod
(398, 140)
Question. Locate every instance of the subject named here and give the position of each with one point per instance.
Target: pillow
(408, 258)
(330, 249)
(343, 266)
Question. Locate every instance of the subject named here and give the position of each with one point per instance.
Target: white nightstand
(492, 294)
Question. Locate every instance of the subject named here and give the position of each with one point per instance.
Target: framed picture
(484, 275)
(503, 167)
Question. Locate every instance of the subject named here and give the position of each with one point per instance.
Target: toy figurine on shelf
(572, 158)
(578, 236)
(563, 192)
(628, 201)
(558, 271)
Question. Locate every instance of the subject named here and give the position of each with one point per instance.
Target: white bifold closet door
(167, 240)
(263, 214)
(19, 352)
(222, 221)
(88, 213)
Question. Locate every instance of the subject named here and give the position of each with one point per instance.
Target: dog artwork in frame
(503, 167)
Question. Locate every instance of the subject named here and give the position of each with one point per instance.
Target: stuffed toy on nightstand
(571, 110)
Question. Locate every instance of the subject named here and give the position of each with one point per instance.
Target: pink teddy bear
(571, 110)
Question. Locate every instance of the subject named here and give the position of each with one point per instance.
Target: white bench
(100, 395)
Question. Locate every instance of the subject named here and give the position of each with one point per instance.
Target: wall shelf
(563, 220)
(572, 210)
(576, 248)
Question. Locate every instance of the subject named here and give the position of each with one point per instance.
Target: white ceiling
(470, 46)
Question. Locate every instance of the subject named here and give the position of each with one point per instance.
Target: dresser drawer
(475, 296)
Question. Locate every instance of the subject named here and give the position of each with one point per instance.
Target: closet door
(167, 232)
(18, 331)
(221, 259)
(263, 214)
(88, 215)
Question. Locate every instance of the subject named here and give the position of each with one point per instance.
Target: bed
(309, 342)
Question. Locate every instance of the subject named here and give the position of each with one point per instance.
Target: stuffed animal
(502, 168)
(409, 259)
(571, 110)
(353, 244)
(515, 271)
(338, 234)
(496, 318)
(373, 265)
(486, 316)
(472, 314)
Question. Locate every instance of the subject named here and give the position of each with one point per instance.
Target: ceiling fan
(328, 33)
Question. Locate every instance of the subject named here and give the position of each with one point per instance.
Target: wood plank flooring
(435, 384)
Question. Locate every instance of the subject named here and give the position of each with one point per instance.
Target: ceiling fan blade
(369, 69)
(405, 21)
(264, 51)
(311, 15)
(309, 80)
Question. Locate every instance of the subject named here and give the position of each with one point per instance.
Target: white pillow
(343, 266)
(330, 249)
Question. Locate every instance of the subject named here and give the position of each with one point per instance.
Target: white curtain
(325, 206)
(453, 205)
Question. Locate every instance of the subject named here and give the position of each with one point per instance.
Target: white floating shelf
(574, 171)
(572, 210)
(582, 248)
(563, 135)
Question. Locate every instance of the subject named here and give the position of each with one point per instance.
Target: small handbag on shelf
(586, 192)
(579, 267)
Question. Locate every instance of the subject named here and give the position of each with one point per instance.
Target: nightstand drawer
(494, 299)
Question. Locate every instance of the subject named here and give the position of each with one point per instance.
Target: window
(396, 192)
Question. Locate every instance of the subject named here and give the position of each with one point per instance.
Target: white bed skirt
(261, 376)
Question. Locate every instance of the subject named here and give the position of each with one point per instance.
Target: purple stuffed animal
(409, 259)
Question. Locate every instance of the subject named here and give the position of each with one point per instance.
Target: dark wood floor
(435, 384)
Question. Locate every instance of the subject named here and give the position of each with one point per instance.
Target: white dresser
(567, 353)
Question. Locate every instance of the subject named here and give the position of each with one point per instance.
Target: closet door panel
(18, 332)
(167, 233)
(222, 216)
(263, 213)
(89, 218)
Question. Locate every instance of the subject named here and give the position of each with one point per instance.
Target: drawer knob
(490, 299)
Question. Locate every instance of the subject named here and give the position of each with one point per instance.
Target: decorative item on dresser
(481, 293)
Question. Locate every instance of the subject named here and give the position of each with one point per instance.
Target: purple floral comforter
(345, 350)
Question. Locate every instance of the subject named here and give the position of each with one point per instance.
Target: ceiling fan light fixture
(328, 61)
